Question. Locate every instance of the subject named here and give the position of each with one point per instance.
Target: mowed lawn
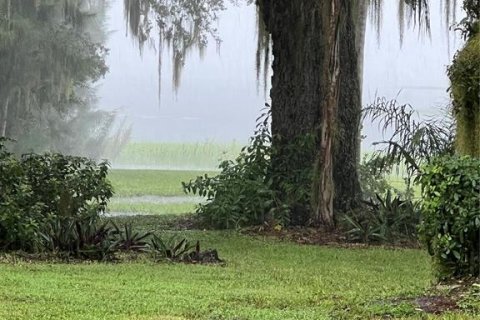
(166, 185)
(262, 279)
(128, 183)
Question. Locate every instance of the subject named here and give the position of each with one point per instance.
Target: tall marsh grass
(176, 156)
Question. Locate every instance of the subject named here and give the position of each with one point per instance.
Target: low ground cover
(263, 279)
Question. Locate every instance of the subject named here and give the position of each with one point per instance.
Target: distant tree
(49, 55)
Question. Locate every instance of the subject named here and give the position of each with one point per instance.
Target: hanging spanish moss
(413, 14)
(262, 59)
(464, 74)
(183, 26)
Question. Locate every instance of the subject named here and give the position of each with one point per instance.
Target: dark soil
(318, 236)
(437, 304)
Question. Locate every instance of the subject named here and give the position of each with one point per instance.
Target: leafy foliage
(50, 201)
(242, 193)
(131, 240)
(384, 219)
(470, 25)
(80, 238)
(174, 248)
(67, 185)
(451, 214)
(18, 215)
(413, 142)
(52, 204)
(372, 180)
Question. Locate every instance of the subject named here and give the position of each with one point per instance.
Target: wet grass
(166, 183)
(263, 279)
(181, 156)
(151, 208)
(129, 183)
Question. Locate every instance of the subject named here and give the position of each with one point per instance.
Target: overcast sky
(218, 98)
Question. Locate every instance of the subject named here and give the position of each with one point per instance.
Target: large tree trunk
(302, 98)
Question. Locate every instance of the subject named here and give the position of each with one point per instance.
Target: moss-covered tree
(316, 89)
(464, 74)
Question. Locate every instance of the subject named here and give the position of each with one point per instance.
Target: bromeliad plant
(131, 240)
(384, 219)
(174, 249)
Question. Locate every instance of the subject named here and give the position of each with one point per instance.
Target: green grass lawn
(151, 208)
(151, 182)
(263, 279)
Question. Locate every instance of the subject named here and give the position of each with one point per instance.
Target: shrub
(51, 204)
(451, 209)
(247, 191)
(67, 185)
(240, 194)
(51, 201)
(18, 215)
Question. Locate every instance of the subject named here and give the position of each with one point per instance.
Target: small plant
(173, 249)
(385, 219)
(80, 239)
(130, 240)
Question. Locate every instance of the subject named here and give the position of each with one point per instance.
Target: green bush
(240, 194)
(18, 215)
(50, 202)
(451, 209)
(67, 185)
(247, 191)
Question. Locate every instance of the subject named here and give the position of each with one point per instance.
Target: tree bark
(348, 130)
(328, 109)
(301, 93)
(4, 119)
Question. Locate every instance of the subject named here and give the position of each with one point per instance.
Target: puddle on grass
(158, 199)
